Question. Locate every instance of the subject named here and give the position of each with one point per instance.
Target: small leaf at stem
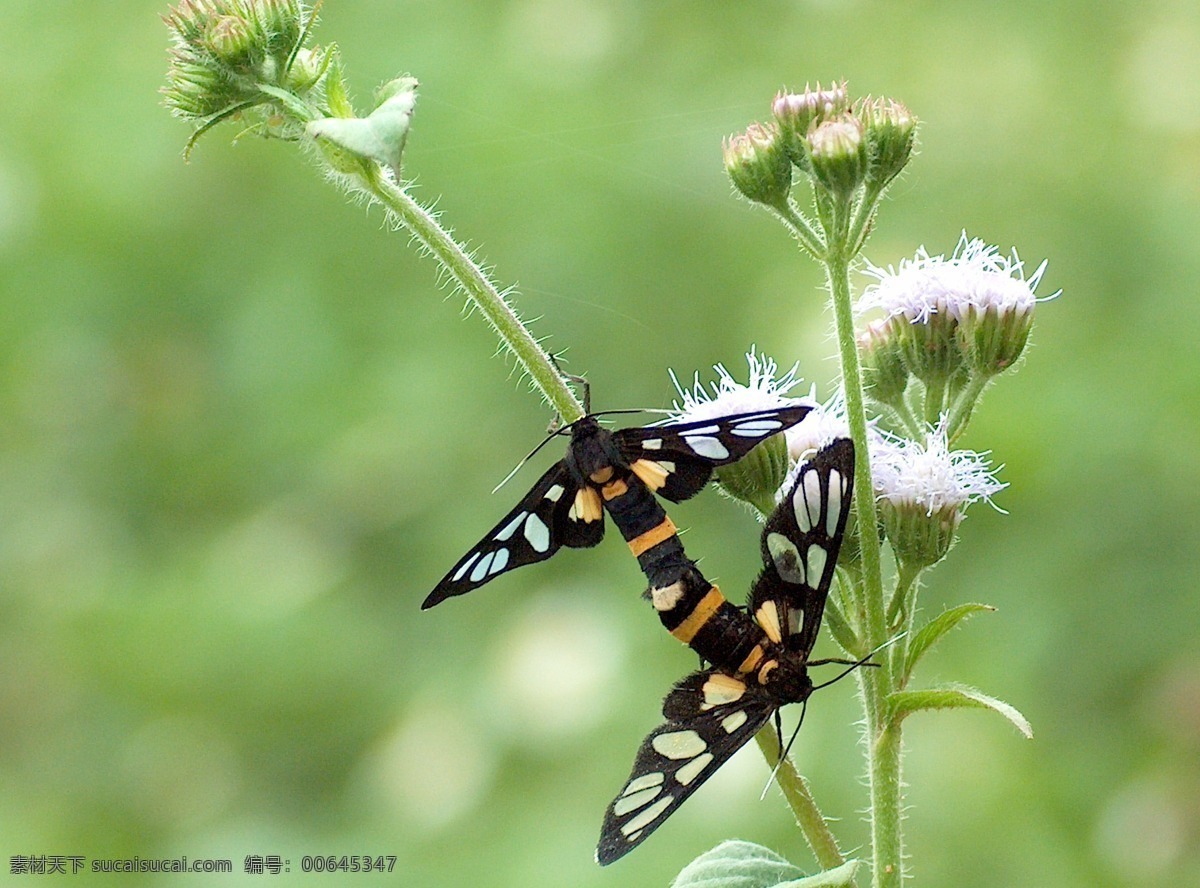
(903, 703)
(932, 631)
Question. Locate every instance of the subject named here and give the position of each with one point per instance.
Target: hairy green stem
(800, 228)
(481, 291)
(883, 765)
(795, 790)
(960, 413)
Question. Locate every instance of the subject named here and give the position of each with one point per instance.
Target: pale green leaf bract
(838, 877)
(904, 703)
(738, 864)
(932, 631)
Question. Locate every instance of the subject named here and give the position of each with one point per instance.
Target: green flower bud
(838, 154)
(993, 336)
(918, 538)
(923, 490)
(891, 132)
(232, 41)
(928, 345)
(757, 164)
(885, 373)
(757, 476)
(797, 113)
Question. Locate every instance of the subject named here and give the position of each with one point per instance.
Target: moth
(758, 661)
(619, 472)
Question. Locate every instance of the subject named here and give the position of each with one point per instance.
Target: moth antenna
(632, 410)
(863, 662)
(783, 755)
(530, 455)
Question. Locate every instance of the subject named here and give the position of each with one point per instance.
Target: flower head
(977, 303)
(820, 427)
(924, 489)
(757, 476)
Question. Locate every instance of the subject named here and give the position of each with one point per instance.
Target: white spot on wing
(481, 568)
(499, 562)
(466, 565)
(632, 801)
(652, 444)
(555, 493)
(812, 497)
(647, 817)
(733, 721)
(509, 529)
(786, 557)
(756, 428)
(537, 533)
(800, 510)
(654, 778)
(721, 689)
(679, 744)
(692, 769)
(816, 563)
(705, 446)
(835, 502)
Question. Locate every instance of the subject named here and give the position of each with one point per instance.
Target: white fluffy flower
(929, 475)
(729, 397)
(975, 278)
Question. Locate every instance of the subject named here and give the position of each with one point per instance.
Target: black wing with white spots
(681, 457)
(800, 545)
(544, 521)
(710, 716)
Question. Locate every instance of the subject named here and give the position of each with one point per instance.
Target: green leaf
(904, 703)
(738, 864)
(932, 631)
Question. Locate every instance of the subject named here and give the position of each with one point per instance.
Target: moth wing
(710, 716)
(545, 520)
(800, 545)
(679, 459)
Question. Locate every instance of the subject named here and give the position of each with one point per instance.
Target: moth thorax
(786, 677)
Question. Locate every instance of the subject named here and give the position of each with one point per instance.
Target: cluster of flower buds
(247, 59)
(224, 51)
(946, 319)
(841, 145)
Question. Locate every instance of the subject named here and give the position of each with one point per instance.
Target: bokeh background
(243, 432)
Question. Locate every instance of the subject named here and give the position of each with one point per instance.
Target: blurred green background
(243, 432)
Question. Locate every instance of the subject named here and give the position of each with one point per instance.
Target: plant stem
(883, 763)
(801, 229)
(795, 790)
(964, 405)
(481, 291)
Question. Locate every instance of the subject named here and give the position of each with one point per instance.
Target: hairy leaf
(932, 631)
(904, 703)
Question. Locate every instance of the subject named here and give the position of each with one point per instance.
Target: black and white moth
(619, 472)
(758, 661)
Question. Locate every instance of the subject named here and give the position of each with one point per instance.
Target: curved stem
(960, 413)
(481, 291)
(801, 229)
(795, 790)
